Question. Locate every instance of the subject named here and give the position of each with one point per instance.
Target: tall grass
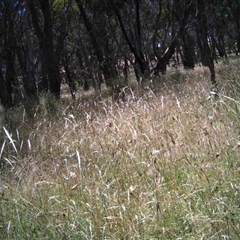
(163, 165)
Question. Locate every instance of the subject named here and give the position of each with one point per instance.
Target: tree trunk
(237, 20)
(5, 88)
(238, 41)
(7, 59)
(97, 48)
(53, 72)
(164, 59)
(70, 81)
(45, 37)
(9, 79)
(188, 51)
(29, 81)
(109, 61)
(141, 65)
(202, 35)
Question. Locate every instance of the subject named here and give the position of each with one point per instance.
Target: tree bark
(9, 78)
(8, 57)
(29, 80)
(45, 38)
(163, 60)
(202, 35)
(6, 89)
(141, 65)
(103, 63)
(237, 19)
(188, 51)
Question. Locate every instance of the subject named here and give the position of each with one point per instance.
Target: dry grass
(163, 165)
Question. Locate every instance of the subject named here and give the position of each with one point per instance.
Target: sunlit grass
(163, 165)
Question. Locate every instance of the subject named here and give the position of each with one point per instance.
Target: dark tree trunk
(49, 53)
(188, 51)
(109, 61)
(141, 66)
(70, 81)
(238, 41)
(164, 59)
(43, 83)
(138, 30)
(6, 89)
(69, 73)
(237, 20)
(45, 37)
(204, 48)
(29, 80)
(86, 73)
(103, 63)
(88, 67)
(221, 46)
(3, 93)
(63, 29)
(9, 79)
(125, 68)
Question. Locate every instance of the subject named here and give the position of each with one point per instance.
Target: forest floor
(165, 164)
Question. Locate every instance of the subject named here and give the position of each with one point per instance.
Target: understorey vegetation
(162, 163)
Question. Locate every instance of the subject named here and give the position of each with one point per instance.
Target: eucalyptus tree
(233, 18)
(95, 19)
(8, 77)
(26, 53)
(222, 27)
(184, 14)
(128, 15)
(50, 38)
(237, 20)
(166, 34)
(202, 35)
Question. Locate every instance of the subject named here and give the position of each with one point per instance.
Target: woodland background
(160, 162)
(44, 43)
